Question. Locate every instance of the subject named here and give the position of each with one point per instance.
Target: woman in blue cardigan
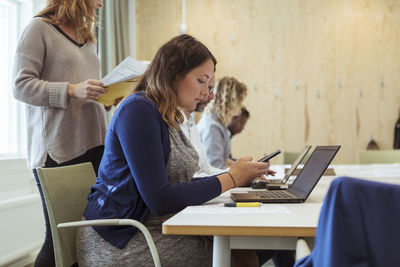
(148, 164)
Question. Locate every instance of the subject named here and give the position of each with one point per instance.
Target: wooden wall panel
(318, 72)
(157, 21)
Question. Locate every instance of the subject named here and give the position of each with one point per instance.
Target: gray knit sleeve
(28, 85)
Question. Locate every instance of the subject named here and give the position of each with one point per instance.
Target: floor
(267, 264)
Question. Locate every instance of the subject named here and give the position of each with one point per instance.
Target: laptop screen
(296, 163)
(313, 170)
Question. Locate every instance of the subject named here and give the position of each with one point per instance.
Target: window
(14, 14)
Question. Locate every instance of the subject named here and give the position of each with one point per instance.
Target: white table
(272, 230)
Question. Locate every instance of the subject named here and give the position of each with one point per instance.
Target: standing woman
(56, 75)
(213, 125)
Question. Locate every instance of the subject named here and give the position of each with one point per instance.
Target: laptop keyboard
(275, 194)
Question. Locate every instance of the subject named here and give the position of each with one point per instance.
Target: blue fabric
(359, 226)
(132, 175)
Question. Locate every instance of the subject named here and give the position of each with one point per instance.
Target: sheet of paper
(128, 69)
(220, 209)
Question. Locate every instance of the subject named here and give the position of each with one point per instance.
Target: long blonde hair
(229, 95)
(80, 14)
(172, 62)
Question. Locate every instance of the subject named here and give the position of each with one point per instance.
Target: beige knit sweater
(63, 127)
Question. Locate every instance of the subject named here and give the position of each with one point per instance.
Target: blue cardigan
(132, 174)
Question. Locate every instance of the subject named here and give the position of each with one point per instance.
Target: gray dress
(93, 250)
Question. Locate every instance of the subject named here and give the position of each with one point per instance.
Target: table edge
(238, 231)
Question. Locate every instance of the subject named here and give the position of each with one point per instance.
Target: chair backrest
(358, 226)
(289, 157)
(378, 156)
(65, 190)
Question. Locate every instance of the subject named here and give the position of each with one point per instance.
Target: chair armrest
(302, 249)
(104, 222)
(115, 222)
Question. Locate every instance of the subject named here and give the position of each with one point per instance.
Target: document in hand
(120, 81)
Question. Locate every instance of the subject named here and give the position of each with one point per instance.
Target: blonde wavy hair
(229, 96)
(173, 61)
(80, 14)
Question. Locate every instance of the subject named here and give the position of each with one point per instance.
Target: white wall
(38, 5)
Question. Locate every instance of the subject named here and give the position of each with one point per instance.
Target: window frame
(15, 123)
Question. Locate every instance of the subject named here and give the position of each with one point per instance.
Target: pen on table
(243, 204)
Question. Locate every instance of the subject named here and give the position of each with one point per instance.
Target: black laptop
(303, 185)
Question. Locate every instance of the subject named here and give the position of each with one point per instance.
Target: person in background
(212, 126)
(236, 126)
(190, 130)
(56, 74)
(146, 172)
(238, 122)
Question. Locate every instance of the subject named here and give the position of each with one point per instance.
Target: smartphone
(270, 156)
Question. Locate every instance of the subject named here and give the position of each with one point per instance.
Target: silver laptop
(303, 185)
(290, 172)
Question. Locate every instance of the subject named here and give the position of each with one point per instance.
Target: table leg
(221, 252)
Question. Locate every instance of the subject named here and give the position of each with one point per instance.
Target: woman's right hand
(245, 169)
(89, 89)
